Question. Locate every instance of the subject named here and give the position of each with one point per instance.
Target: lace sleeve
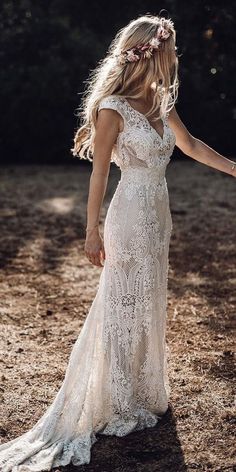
(115, 104)
(108, 102)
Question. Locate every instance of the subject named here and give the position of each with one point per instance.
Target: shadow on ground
(155, 449)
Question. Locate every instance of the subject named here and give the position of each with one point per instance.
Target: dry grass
(47, 286)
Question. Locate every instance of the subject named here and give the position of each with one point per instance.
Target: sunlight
(57, 205)
(194, 279)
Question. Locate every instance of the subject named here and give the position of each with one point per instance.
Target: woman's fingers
(97, 261)
(94, 258)
(94, 251)
(103, 253)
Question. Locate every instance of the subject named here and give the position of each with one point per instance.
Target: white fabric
(116, 380)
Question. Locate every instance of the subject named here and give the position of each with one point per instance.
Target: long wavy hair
(131, 79)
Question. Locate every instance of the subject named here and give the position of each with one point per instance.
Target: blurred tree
(49, 48)
(206, 31)
(43, 64)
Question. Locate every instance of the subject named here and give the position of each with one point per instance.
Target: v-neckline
(144, 116)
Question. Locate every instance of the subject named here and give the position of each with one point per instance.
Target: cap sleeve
(113, 102)
(108, 102)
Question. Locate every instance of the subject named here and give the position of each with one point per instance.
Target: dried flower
(155, 42)
(162, 33)
(145, 50)
(131, 56)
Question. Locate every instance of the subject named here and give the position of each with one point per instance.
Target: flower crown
(145, 50)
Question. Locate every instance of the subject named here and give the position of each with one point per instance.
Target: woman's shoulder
(110, 101)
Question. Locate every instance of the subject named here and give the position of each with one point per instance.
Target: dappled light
(57, 205)
(47, 286)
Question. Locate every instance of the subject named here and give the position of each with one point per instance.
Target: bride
(117, 381)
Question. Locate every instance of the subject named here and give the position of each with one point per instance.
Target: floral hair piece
(145, 50)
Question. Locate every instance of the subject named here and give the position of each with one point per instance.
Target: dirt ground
(47, 286)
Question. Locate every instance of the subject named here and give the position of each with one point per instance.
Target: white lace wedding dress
(116, 381)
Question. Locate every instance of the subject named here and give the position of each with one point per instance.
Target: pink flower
(131, 56)
(154, 43)
(162, 32)
(144, 47)
(145, 50)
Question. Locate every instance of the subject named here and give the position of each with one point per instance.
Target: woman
(116, 380)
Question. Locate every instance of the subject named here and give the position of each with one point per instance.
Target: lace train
(67, 430)
(116, 381)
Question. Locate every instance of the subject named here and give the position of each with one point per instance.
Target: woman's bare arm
(107, 128)
(197, 149)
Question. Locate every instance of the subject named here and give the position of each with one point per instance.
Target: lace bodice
(139, 144)
(116, 381)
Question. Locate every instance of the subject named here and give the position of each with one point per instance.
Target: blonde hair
(130, 80)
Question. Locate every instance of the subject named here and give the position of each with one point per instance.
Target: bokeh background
(49, 47)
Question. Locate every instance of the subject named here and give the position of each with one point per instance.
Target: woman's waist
(144, 175)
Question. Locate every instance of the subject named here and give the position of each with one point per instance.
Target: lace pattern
(138, 144)
(117, 379)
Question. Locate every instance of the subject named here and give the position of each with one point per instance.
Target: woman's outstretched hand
(94, 248)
